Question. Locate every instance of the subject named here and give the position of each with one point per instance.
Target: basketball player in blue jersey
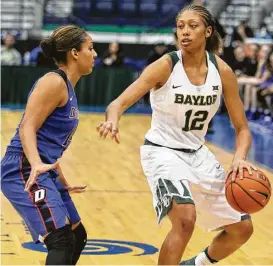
(186, 180)
(31, 178)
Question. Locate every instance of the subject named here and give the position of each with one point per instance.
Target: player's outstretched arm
(156, 74)
(237, 115)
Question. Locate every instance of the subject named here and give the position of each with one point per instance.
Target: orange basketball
(250, 194)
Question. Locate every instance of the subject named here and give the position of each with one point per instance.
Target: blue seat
(135, 64)
(82, 4)
(105, 6)
(171, 6)
(82, 8)
(127, 7)
(148, 7)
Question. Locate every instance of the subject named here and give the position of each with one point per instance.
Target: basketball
(250, 194)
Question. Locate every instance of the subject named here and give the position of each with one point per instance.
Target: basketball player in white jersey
(186, 180)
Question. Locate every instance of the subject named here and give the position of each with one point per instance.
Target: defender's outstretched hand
(109, 127)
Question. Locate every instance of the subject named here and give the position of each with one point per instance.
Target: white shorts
(196, 178)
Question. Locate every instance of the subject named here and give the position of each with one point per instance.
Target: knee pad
(80, 242)
(60, 244)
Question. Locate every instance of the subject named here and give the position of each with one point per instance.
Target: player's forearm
(29, 143)
(114, 111)
(243, 143)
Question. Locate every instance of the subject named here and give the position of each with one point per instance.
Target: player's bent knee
(60, 245)
(183, 217)
(242, 230)
(81, 239)
(187, 223)
(246, 230)
(81, 236)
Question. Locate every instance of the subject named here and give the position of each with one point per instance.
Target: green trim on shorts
(166, 210)
(166, 192)
(179, 200)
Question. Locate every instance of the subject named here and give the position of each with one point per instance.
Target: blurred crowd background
(129, 35)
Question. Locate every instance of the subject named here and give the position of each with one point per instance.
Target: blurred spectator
(262, 56)
(26, 58)
(239, 65)
(241, 32)
(250, 91)
(113, 56)
(252, 54)
(255, 87)
(267, 97)
(268, 92)
(242, 64)
(264, 51)
(263, 32)
(26, 55)
(159, 50)
(34, 55)
(9, 55)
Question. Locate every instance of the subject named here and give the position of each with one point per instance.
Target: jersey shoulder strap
(174, 58)
(62, 74)
(212, 58)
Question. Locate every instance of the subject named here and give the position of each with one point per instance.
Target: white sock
(202, 259)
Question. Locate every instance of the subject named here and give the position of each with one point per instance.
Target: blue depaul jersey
(55, 135)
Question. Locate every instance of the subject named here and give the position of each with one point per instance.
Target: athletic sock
(203, 258)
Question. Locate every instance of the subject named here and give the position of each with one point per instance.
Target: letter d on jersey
(39, 195)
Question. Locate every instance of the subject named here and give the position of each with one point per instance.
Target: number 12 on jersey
(195, 121)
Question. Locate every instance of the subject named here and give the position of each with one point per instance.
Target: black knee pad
(60, 244)
(80, 242)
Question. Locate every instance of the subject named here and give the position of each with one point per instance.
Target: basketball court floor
(117, 207)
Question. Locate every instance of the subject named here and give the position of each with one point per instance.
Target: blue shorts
(46, 206)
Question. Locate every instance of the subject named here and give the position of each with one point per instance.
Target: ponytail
(214, 43)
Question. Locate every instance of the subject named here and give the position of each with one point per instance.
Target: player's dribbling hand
(109, 127)
(238, 166)
(36, 170)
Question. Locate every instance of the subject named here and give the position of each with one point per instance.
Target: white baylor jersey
(181, 110)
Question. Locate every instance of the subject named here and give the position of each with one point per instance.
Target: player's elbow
(243, 129)
(22, 131)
